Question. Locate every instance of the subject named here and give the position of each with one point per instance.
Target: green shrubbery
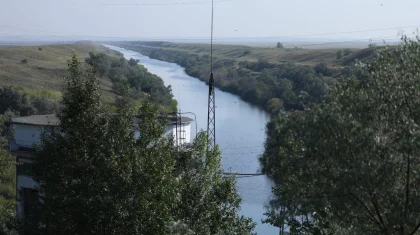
(142, 84)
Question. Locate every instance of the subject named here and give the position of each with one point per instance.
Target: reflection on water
(240, 131)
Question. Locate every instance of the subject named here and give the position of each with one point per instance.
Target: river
(240, 131)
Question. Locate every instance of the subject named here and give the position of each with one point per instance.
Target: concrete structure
(27, 132)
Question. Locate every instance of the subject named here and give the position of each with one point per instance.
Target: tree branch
(415, 229)
(376, 206)
(407, 192)
(366, 208)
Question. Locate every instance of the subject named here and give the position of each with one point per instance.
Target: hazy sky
(233, 19)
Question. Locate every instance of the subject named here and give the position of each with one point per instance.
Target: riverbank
(273, 79)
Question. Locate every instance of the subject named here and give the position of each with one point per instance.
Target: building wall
(27, 135)
(187, 128)
(170, 131)
(185, 135)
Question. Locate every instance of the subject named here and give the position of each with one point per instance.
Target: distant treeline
(274, 87)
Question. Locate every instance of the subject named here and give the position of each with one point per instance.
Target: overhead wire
(162, 4)
(236, 154)
(247, 147)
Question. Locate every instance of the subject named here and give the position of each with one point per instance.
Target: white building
(26, 134)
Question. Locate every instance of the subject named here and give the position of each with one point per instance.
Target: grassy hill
(44, 67)
(39, 71)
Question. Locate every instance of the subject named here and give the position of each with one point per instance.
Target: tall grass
(56, 95)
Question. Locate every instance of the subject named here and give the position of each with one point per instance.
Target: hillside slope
(44, 67)
(41, 69)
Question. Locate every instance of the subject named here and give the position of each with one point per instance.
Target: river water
(240, 131)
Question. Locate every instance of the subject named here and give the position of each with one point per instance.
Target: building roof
(52, 120)
(172, 118)
(37, 120)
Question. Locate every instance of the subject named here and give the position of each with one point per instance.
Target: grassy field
(40, 69)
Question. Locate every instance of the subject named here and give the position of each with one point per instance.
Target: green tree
(274, 105)
(209, 202)
(100, 61)
(133, 62)
(322, 68)
(13, 100)
(351, 163)
(7, 194)
(279, 45)
(105, 181)
(44, 105)
(339, 54)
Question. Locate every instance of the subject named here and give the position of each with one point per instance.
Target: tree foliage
(105, 181)
(274, 105)
(17, 101)
(8, 220)
(347, 52)
(142, 84)
(339, 54)
(350, 164)
(203, 187)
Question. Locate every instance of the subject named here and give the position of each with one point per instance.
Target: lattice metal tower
(211, 116)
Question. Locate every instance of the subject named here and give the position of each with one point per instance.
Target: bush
(24, 61)
(45, 105)
(339, 54)
(133, 62)
(347, 52)
(321, 68)
(246, 52)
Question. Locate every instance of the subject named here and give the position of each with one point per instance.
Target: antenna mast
(211, 115)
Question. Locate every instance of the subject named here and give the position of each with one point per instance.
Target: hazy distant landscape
(259, 42)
